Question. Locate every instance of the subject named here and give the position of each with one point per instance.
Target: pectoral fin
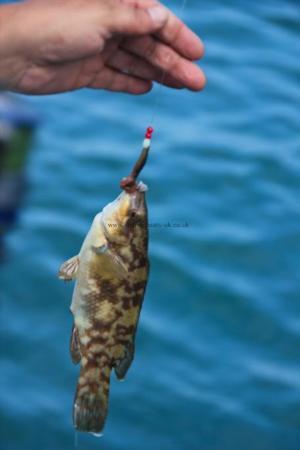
(68, 269)
(118, 263)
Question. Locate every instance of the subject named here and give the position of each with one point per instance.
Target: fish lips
(136, 198)
(128, 209)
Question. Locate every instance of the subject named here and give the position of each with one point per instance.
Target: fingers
(133, 65)
(113, 80)
(181, 38)
(132, 19)
(171, 52)
(164, 58)
(175, 33)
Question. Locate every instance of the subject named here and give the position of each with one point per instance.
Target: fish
(111, 273)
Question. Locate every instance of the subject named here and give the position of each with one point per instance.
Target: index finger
(175, 33)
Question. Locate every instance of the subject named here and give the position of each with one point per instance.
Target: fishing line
(163, 75)
(128, 183)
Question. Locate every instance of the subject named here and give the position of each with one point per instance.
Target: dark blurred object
(17, 125)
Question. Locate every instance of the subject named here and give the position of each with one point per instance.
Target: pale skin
(51, 46)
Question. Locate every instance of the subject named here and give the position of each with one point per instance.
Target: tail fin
(91, 399)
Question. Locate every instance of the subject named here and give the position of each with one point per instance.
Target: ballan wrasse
(111, 272)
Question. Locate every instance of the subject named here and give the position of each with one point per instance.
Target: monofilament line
(163, 76)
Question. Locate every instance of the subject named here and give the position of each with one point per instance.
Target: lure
(111, 272)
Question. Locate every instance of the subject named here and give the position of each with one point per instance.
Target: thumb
(136, 20)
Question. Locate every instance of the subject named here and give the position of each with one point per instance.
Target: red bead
(149, 132)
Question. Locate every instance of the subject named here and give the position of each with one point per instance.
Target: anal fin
(123, 364)
(74, 346)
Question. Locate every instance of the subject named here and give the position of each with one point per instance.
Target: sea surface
(217, 363)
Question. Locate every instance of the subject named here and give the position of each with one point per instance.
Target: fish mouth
(142, 187)
(137, 200)
(136, 196)
(127, 209)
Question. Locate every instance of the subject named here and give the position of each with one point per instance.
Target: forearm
(11, 62)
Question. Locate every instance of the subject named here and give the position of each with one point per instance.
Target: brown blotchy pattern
(112, 305)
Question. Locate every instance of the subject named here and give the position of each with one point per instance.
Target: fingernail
(159, 15)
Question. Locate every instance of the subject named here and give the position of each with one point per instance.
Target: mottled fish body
(111, 272)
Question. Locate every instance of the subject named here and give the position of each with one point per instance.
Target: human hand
(120, 45)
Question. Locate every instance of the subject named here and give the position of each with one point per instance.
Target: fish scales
(111, 274)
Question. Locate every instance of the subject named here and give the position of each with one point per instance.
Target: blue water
(218, 347)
